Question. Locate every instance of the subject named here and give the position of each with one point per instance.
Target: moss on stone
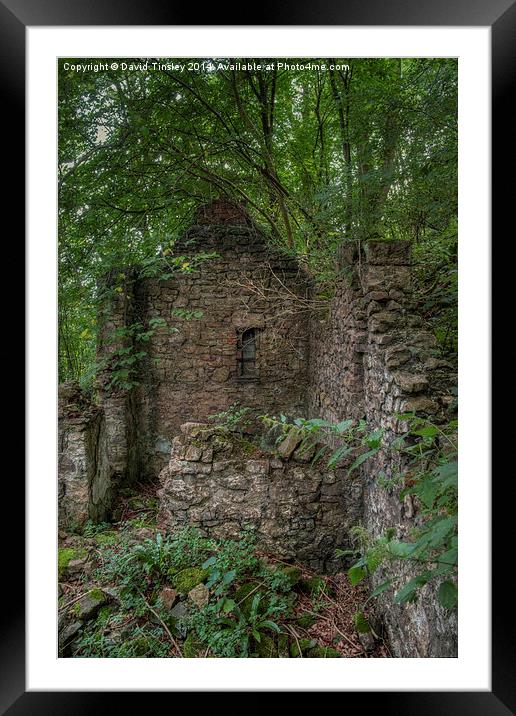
(141, 646)
(293, 574)
(323, 652)
(245, 446)
(246, 593)
(314, 585)
(188, 578)
(104, 613)
(301, 646)
(266, 648)
(65, 555)
(193, 647)
(361, 624)
(306, 620)
(283, 652)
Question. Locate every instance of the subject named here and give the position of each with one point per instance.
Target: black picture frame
(500, 16)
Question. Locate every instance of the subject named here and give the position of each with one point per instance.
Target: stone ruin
(239, 329)
(84, 485)
(297, 511)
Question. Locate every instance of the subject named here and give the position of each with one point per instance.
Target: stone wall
(84, 475)
(394, 368)
(402, 373)
(118, 313)
(296, 510)
(192, 369)
(337, 344)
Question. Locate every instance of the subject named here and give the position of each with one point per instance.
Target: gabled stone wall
(192, 367)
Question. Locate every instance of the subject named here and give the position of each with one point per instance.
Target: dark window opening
(247, 353)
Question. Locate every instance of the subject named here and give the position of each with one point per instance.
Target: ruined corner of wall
(84, 476)
(403, 373)
(403, 370)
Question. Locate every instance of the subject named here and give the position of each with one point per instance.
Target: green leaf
(441, 529)
(401, 549)
(374, 439)
(408, 592)
(229, 605)
(356, 574)
(447, 474)
(449, 557)
(427, 491)
(362, 458)
(361, 624)
(381, 588)
(228, 577)
(254, 606)
(429, 431)
(343, 426)
(319, 454)
(341, 452)
(448, 595)
(267, 623)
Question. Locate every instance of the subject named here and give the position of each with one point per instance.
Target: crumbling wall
(84, 475)
(402, 373)
(296, 510)
(117, 318)
(192, 367)
(371, 326)
(337, 344)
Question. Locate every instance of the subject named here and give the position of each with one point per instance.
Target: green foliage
(127, 352)
(242, 613)
(361, 624)
(192, 647)
(234, 632)
(323, 652)
(236, 418)
(92, 529)
(430, 469)
(234, 622)
(321, 158)
(97, 640)
(153, 562)
(301, 646)
(352, 436)
(186, 315)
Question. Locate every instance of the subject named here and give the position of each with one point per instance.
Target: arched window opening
(247, 353)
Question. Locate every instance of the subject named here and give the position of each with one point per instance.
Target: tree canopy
(344, 151)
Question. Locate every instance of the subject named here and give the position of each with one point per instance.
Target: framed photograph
(258, 264)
